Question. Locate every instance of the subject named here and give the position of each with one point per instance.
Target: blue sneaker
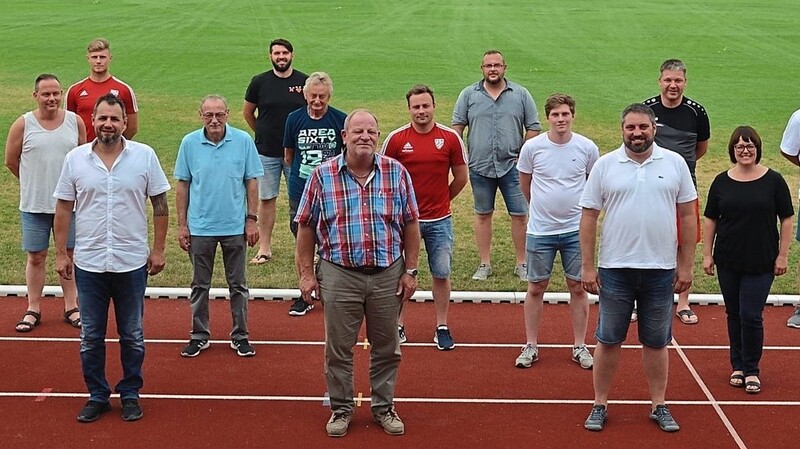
(443, 339)
(596, 419)
(662, 416)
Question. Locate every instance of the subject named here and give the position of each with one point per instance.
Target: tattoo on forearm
(160, 207)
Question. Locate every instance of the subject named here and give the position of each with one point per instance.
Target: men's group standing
(360, 216)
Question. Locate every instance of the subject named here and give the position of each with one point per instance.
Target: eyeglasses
(214, 115)
(493, 66)
(741, 147)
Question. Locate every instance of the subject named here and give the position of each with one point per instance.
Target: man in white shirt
(109, 181)
(637, 186)
(790, 149)
(552, 172)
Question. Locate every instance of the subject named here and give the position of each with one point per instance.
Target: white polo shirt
(640, 204)
(110, 205)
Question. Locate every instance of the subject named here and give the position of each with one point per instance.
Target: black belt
(368, 270)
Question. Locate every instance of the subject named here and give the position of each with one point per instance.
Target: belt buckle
(370, 270)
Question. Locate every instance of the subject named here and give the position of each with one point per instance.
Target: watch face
(413, 272)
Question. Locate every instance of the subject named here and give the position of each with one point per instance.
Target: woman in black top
(747, 233)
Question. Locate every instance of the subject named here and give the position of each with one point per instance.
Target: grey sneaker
(794, 320)
(482, 273)
(401, 333)
(390, 422)
(528, 355)
(596, 419)
(338, 424)
(521, 271)
(582, 356)
(664, 419)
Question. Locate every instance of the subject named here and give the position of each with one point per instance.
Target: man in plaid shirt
(360, 209)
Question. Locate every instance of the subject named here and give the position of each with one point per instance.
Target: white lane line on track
(430, 345)
(722, 416)
(485, 401)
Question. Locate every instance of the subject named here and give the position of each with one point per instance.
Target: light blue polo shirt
(216, 174)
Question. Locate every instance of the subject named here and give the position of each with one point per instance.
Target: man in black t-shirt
(681, 126)
(273, 94)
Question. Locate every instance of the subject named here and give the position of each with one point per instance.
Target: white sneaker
(794, 320)
(582, 356)
(521, 271)
(527, 356)
(482, 273)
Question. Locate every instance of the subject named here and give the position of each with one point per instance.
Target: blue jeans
(438, 238)
(96, 291)
(651, 289)
(541, 254)
(484, 191)
(745, 296)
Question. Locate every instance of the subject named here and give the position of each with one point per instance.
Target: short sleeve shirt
(217, 174)
(496, 127)
(274, 98)
(82, 96)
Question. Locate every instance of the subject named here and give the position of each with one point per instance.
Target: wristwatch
(251, 217)
(413, 272)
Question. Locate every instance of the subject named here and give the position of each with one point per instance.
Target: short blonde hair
(98, 44)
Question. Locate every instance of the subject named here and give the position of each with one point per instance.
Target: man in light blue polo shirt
(501, 116)
(217, 198)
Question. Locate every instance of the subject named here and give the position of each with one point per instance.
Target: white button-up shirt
(110, 205)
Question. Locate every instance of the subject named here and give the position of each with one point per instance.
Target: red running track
(472, 397)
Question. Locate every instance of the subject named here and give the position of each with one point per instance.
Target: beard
(108, 138)
(640, 148)
(282, 69)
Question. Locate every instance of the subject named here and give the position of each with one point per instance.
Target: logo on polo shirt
(83, 93)
(408, 148)
(114, 92)
(439, 143)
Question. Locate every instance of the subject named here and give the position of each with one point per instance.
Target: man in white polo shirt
(638, 186)
(790, 149)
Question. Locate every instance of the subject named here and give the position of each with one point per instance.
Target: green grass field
(741, 55)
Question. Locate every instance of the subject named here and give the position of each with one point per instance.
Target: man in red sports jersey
(82, 96)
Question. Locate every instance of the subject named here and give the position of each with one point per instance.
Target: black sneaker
(194, 347)
(300, 307)
(662, 416)
(131, 410)
(92, 411)
(243, 348)
(596, 419)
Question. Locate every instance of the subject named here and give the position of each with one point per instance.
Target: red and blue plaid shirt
(359, 226)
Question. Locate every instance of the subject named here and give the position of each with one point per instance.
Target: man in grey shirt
(500, 115)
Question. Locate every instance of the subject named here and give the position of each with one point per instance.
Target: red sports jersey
(82, 96)
(428, 158)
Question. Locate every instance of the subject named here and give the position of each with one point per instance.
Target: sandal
(76, 323)
(737, 379)
(28, 325)
(260, 259)
(687, 316)
(752, 386)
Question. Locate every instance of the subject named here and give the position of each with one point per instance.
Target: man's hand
(309, 288)
(251, 232)
(590, 280)
(155, 262)
(64, 266)
(683, 279)
(184, 237)
(406, 287)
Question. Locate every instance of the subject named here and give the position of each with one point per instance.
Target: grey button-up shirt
(496, 127)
